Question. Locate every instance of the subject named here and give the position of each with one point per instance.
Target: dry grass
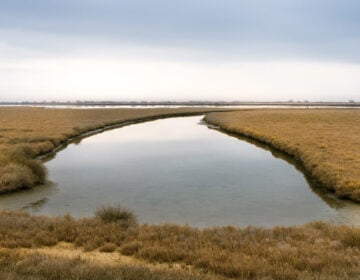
(26, 133)
(116, 214)
(14, 264)
(313, 251)
(326, 142)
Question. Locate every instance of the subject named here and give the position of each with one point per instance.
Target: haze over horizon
(273, 50)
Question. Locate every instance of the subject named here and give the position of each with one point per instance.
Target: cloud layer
(191, 39)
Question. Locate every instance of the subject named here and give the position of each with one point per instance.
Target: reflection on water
(322, 192)
(30, 200)
(36, 205)
(180, 171)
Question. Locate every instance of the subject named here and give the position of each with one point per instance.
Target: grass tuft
(108, 248)
(131, 248)
(116, 214)
(19, 170)
(352, 238)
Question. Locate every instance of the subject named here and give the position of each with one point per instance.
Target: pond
(179, 170)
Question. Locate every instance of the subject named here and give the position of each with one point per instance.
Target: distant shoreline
(349, 104)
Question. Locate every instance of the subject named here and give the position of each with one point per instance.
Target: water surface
(179, 171)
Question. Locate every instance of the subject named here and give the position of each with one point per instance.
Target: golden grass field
(326, 142)
(92, 248)
(112, 245)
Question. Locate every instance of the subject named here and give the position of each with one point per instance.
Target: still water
(180, 171)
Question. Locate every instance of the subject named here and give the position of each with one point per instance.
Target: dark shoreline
(315, 185)
(318, 184)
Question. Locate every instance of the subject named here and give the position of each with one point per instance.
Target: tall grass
(313, 251)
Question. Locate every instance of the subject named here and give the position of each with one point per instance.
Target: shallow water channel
(180, 171)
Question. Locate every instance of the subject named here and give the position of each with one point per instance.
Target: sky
(231, 50)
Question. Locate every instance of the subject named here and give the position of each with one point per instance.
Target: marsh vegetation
(316, 250)
(325, 141)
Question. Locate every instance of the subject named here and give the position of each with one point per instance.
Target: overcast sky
(263, 50)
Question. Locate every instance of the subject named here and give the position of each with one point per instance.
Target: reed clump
(325, 141)
(116, 214)
(26, 133)
(19, 169)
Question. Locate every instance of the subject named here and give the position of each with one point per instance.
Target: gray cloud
(322, 29)
(188, 49)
